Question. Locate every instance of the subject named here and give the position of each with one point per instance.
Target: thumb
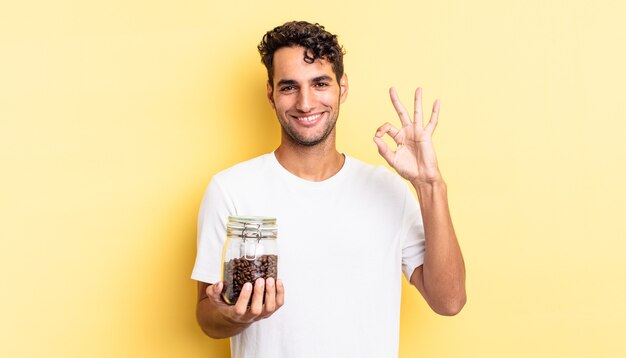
(213, 291)
(383, 150)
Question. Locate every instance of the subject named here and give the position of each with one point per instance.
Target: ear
(343, 88)
(270, 94)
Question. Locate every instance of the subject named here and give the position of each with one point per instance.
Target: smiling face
(306, 97)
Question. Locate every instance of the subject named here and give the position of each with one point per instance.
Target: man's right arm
(221, 320)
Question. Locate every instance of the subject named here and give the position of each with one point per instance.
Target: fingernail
(270, 282)
(247, 286)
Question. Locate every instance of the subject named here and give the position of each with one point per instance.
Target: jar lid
(252, 227)
(263, 223)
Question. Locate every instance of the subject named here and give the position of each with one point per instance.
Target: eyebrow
(318, 79)
(323, 78)
(287, 83)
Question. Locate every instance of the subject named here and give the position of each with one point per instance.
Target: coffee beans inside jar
(241, 270)
(250, 253)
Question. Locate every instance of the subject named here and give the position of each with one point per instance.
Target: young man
(346, 229)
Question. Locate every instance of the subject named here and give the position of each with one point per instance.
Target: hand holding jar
(250, 256)
(253, 304)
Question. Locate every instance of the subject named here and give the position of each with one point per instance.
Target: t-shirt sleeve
(412, 234)
(212, 217)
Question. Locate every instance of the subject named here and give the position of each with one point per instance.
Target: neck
(315, 163)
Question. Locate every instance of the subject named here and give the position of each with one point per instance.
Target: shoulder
(243, 171)
(374, 174)
(239, 179)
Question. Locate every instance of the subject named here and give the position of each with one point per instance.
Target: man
(346, 229)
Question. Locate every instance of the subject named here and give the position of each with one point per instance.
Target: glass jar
(250, 252)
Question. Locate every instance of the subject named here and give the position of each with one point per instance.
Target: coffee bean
(241, 270)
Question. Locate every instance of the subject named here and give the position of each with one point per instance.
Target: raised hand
(414, 158)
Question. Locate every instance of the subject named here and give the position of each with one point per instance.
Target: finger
(256, 308)
(418, 108)
(434, 117)
(280, 293)
(270, 296)
(404, 116)
(388, 128)
(241, 306)
(384, 150)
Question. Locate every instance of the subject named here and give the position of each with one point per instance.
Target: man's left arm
(441, 279)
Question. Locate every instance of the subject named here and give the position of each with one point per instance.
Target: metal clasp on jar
(251, 231)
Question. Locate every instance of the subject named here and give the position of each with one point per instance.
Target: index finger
(402, 114)
(241, 306)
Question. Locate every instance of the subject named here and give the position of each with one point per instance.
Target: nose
(304, 101)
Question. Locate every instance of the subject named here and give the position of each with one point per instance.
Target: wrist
(429, 183)
(429, 190)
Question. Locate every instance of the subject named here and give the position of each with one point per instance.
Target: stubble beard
(298, 139)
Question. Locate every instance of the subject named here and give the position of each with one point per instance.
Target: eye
(322, 84)
(287, 88)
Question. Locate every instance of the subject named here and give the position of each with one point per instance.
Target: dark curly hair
(318, 43)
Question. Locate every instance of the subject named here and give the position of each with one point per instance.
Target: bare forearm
(213, 323)
(443, 271)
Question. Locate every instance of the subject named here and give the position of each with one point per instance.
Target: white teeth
(309, 118)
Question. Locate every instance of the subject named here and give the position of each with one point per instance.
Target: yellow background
(115, 114)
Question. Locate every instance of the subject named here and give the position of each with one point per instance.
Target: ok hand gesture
(414, 158)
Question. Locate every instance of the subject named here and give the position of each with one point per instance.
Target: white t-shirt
(342, 245)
